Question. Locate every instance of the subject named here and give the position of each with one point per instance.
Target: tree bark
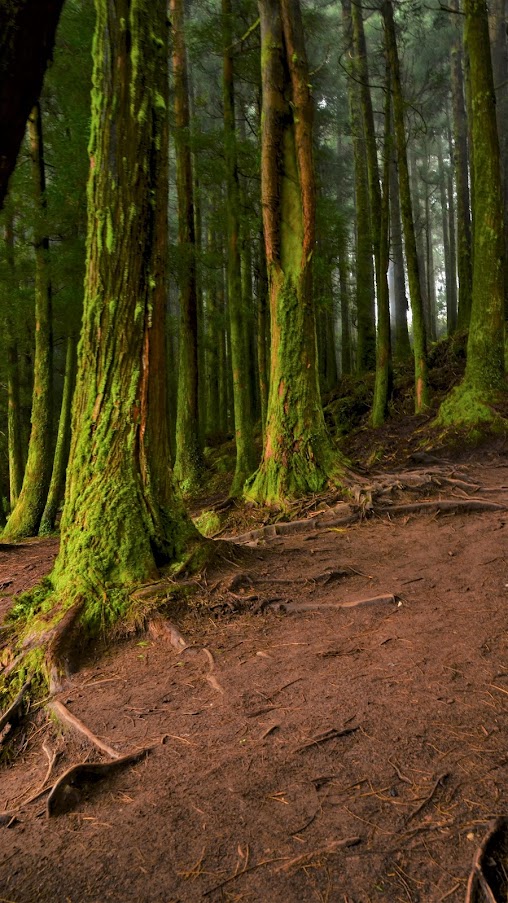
(188, 461)
(27, 36)
(401, 343)
(14, 438)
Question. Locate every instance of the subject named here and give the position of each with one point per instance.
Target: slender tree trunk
(420, 233)
(298, 455)
(451, 312)
(26, 516)
(429, 248)
(419, 332)
(366, 327)
(498, 14)
(401, 343)
(453, 236)
(484, 376)
(384, 375)
(14, 440)
(263, 330)
(63, 441)
(461, 166)
(242, 399)
(188, 461)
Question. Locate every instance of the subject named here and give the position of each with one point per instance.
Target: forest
(253, 450)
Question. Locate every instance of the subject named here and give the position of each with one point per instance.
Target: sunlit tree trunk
(484, 376)
(188, 460)
(415, 294)
(26, 516)
(298, 456)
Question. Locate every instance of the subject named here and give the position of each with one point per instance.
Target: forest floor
(304, 747)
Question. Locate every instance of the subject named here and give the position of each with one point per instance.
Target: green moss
(208, 523)
(466, 406)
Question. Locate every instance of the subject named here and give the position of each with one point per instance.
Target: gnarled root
(65, 793)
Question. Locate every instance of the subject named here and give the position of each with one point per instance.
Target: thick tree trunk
(27, 36)
(188, 460)
(484, 376)
(419, 333)
(63, 441)
(26, 517)
(121, 518)
(298, 455)
(498, 13)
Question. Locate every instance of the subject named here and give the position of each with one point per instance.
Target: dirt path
(344, 754)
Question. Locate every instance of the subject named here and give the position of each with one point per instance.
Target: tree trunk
(14, 439)
(498, 13)
(461, 166)
(298, 455)
(121, 518)
(242, 395)
(384, 374)
(451, 311)
(401, 343)
(484, 376)
(365, 308)
(263, 330)
(63, 441)
(26, 517)
(27, 36)
(188, 461)
(419, 333)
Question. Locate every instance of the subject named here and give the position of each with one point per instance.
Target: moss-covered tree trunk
(415, 293)
(263, 330)
(384, 375)
(242, 390)
(401, 343)
(26, 516)
(499, 44)
(484, 376)
(461, 167)
(63, 441)
(298, 456)
(121, 518)
(14, 439)
(188, 461)
(365, 293)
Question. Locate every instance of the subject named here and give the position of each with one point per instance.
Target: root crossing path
(328, 722)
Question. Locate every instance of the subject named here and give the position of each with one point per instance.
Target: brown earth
(301, 750)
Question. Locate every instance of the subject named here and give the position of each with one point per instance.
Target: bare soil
(303, 748)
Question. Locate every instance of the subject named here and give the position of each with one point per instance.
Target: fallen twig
(292, 607)
(415, 812)
(330, 734)
(332, 847)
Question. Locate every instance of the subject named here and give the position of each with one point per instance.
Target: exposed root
(295, 607)
(341, 515)
(66, 717)
(11, 714)
(331, 734)
(161, 627)
(332, 847)
(488, 878)
(65, 793)
(448, 506)
(440, 779)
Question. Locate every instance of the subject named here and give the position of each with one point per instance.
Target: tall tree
(26, 516)
(298, 456)
(121, 518)
(415, 293)
(242, 394)
(484, 376)
(188, 461)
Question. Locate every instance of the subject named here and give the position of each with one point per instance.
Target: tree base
(467, 406)
(277, 482)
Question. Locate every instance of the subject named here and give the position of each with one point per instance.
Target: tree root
(65, 793)
(307, 525)
(295, 607)
(445, 506)
(487, 880)
(66, 717)
(11, 714)
(160, 627)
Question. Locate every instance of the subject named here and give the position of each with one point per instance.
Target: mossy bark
(485, 374)
(365, 293)
(14, 440)
(298, 455)
(242, 390)
(63, 441)
(384, 372)
(188, 461)
(415, 293)
(401, 343)
(461, 167)
(121, 517)
(26, 516)
(499, 46)
(263, 331)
